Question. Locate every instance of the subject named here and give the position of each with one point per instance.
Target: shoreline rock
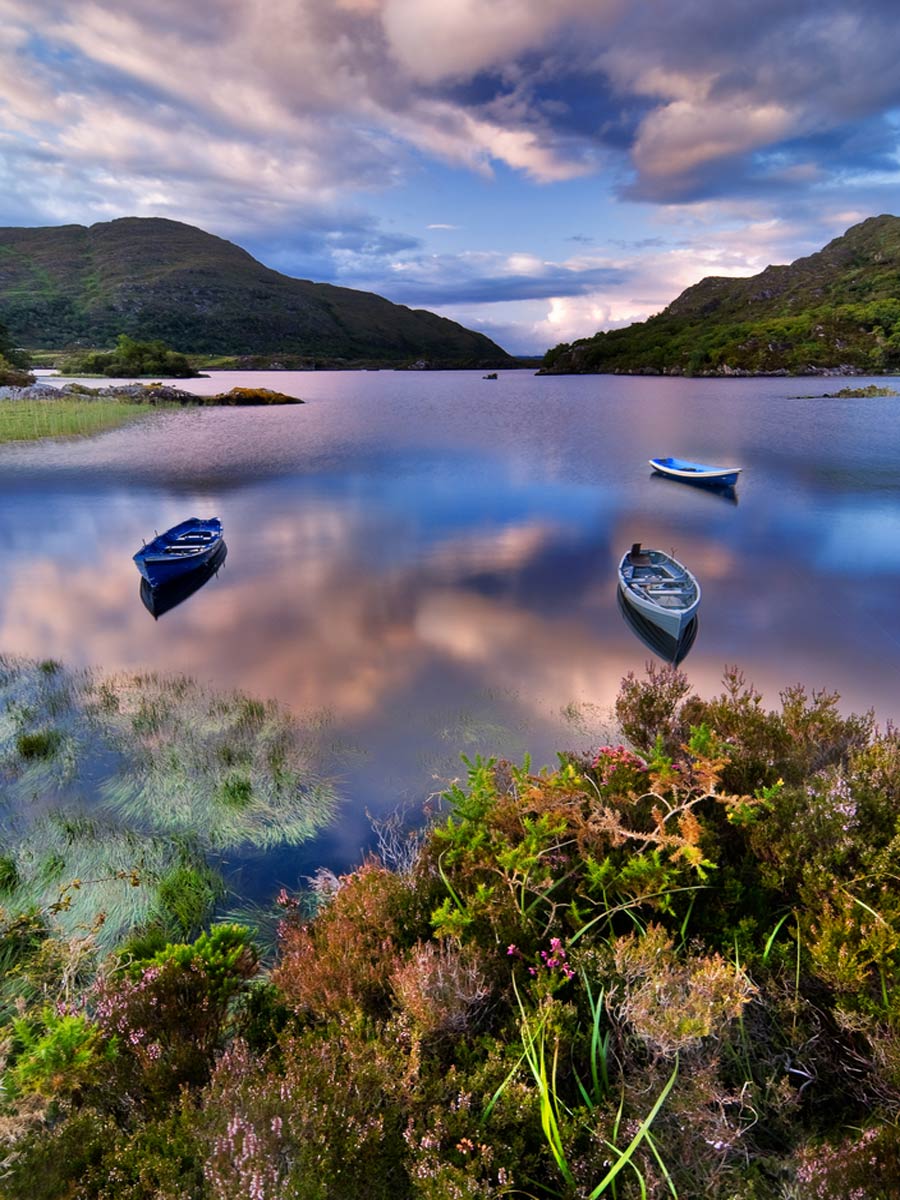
(149, 393)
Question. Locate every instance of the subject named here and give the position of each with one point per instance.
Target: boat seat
(637, 557)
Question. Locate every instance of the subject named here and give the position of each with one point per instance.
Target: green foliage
(225, 955)
(55, 1055)
(14, 362)
(10, 354)
(671, 969)
(186, 895)
(130, 359)
(12, 375)
(61, 416)
(835, 308)
(43, 743)
(51, 1162)
(869, 392)
(162, 281)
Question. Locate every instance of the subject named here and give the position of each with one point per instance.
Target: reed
(31, 420)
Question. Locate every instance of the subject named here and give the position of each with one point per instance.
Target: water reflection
(165, 597)
(421, 569)
(726, 492)
(663, 645)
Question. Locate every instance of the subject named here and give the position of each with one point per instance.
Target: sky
(535, 169)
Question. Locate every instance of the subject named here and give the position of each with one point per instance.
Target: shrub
(169, 1014)
(55, 1055)
(344, 960)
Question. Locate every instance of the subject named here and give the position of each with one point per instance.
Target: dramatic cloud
(286, 125)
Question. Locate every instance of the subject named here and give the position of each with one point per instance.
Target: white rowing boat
(693, 472)
(660, 588)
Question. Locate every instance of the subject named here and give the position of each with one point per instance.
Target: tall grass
(30, 420)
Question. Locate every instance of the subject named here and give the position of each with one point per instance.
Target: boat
(660, 588)
(693, 472)
(663, 645)
(179, 551)
(166, 596)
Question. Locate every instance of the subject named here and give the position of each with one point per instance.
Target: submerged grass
(95, 878)
(30, 420)
(238, 769)
(123, 784)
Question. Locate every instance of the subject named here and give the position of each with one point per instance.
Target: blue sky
(537, 169)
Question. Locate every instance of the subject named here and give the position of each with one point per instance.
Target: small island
(869, 391)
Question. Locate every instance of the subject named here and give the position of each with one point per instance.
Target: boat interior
(191, 541)
(658, 578)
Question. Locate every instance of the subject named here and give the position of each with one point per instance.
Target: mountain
(70, 285)
(837, 311)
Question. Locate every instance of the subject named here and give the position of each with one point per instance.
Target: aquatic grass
(63, 416)
(91, 877)
(43, 734)
(239, 769)
(161, 752)
(186, 896)
(115, 789)
(43, 743)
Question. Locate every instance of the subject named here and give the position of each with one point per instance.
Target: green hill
(74, 286)
(836, 311)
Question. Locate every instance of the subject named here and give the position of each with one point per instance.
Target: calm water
(426, 562)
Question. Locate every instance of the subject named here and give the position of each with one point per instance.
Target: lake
(423, 564)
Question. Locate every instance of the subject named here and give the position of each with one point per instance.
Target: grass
(112, 792)
(31, 420)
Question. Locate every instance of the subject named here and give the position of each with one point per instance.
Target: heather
(665, 967)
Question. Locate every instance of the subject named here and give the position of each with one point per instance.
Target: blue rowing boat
(693, 472)
(179, 551)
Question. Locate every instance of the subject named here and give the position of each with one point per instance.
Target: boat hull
(660, 588)
(669, 649)
(180, 551)
(672, 621)
(698, 473)
(166, 596)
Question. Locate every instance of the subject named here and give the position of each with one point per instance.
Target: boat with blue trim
(694, 472)
(180, 550)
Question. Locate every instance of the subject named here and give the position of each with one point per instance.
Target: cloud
(298, 97)
(476, 278)
(283, 126)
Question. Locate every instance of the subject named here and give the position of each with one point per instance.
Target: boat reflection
(167, 596)
(663, 645)
(726, 492)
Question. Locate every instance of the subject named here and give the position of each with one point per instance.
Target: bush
(131, 358)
